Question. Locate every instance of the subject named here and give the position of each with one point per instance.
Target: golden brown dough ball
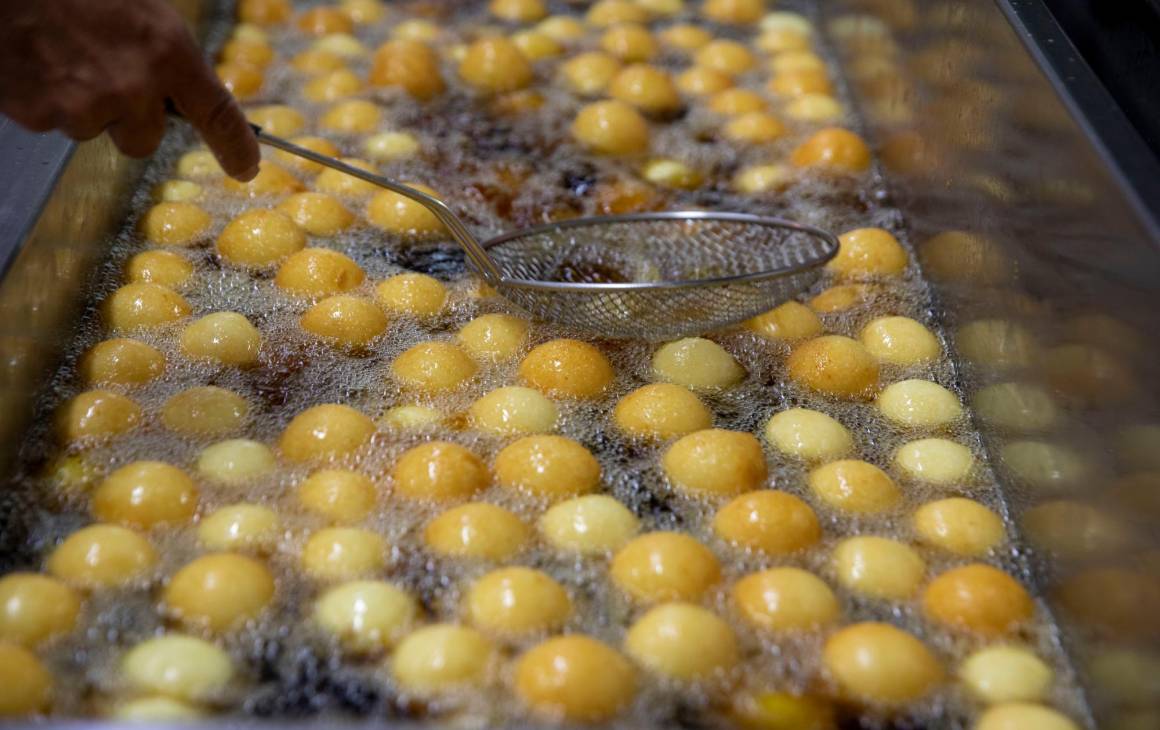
(102, 556)
(799, 82)
(325, 432)
(235, 461)
(576, 679)
(518, 11)
(814, 108)
(254, 51)
(685, 37)
(240, 528)
(562, 28)
(809, 435)
(789, 322)
(332, 86)
(647, 88)
(878, 664)
(439, 471)
(25, 685)
(391, 146)
(671, 174)
(144, 494)
(754, 128)
(243, 81)
(979, 599)
(661, 411)
(410, 65)
(833, 149)
(342, 553)
(345, 321)
(664, 566)
(353, 116)
(323, 20)
(683, 642)
(734, 102)
(517, 602)
(878, 567)
(854, 486)
(776, 710)
(868, 252)
(366, 616)
(320, 145)
(433, 366)
(785, 599)
(315, 61)
(205, 411)
(834, 365)
(569, 368)
(1075, 531)
(840, 298)
(629, 42)
(225, 338)
(919, 404)
(219, 592)
(495, 65)
(494, 337)
(514, 410)
(725, 56)
(317, 213)
(701, 81)
(199, 164)
(409, 293)
(260, 238)
(697, 363)
(768, 521)
(715, 463)
(121, 361)
(142, 305)
(958, 525)
(900, 341)
(319, 272)
(175, 223)
(733, 12)
(338, 495)
(178, 191)
(785, 40)
(339, 183)
(589, 73)
(441, 658)
(552, 467)
(404, 216)
(1006, 674)
(96, 415)
(536, 45)
(417, 29)
(272, 180)
(159, 267)
(35, 608)
(264, 12)
(180, 667)
(279, 119)
(611, 128)
(610, 12)
(595, 524)
(1024, 716)
(478, 531)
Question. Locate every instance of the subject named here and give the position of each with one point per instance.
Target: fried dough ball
(595, 524)
(143, 305)
(323, 20)
(789, 322)
(440, 472)
(175, 223)
(517, 602)
(443, 657)
(317, 213)
(605, 13)
(411, 65)
(935, 461)
(177, 666)
(734, 12)
(574, 678)
(144, 494)
(900, 341)
(725, 56)
(785, 599)
(630, 42)
(96, 415)
(342, 553)
(495, 65)
(514, 410)
(957, 256)
(345, 321)
(648, 88)
(272, 180)
(569, 368)
(715, 463)
(518, 11)
(734, 102)
(768, 521)
(318, 272)
(264, 12)
(878, 664)
(392, 146)
(961, 526)
(697, 363)
(1016, 407)
(590, 73)
(814, 108)
(353, 116)
(121, 361)
(404, 216)
(868, 252)
(685, 37)
(808, 435)
(778, 710)
(25, 684)
(1006, 674)
(200, 164)
(225, 338)
(1073, 530)
(155, 710)
(243, 81)
(552, 467)
(410, 293)
(840, 298)
(260, 238)
(366, 616)
(701, 81)
(317, 61)
(854, 486)
(661, 411)
(834, 365)
(416, 29)
(320, 145)
(754, 128)
(536, 45)
(800, 82)
(338, 495)
(335, 85)
(664, 566)
(339, 183)
(279, 119)
(35, 608)
(1090, 375)
(997, 343)
(562, 28)
(240, 528)
(236, 461)
(433, 366)
(410, 417)
(919, 404)
(325, 432)
(1023, 716)
(178, 191)
(878, 567)
(219, 592)
(671, 174)
(1115, 601)
(683, 642)
(205, 411)
(494, 337)
(833, 149)
(611, 128)
(159, 267)
(979, 599)
(478, 531)
(102, 556)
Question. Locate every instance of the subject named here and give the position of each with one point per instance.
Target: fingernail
(249, 175)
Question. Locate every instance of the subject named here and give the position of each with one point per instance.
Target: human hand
(85, 67)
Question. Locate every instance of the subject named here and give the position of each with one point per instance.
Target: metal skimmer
(661, 275)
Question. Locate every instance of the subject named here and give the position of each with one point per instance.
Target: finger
(139, 133)
(34, 118)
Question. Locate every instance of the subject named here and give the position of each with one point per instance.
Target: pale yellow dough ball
(259, 239)
(900, 341)
(317, 213)
(35, 609)
(630, 42)
(998, 343)
(25, 684)
(224, 338)
(808, 435)
(754, 128)
(768, 521)
(201, 164)
(121, 361)
(443, 657)
(338, 495)
(549, 467)
(854, 486)
(495, 65)
(401, 418)
(610, 12)
(518, 11)
(340, 183)
(272, 180)
(404, 216)
(478, 531)
(935, 461)
(684, 37)
(179, 667)
(725, 56)
(878, 567)
(418, 295)
(569, 368)
(733, 102)
(345, 321)
(664, 566)
(514, 410)
(958, 525)
(879, 664)
(392, 146)
(159, 267)
(611, 128)
(219, 592)
(343, 553)
(354, 116)
(919, 404)
(1016, 407)
(834, 365)
(235, 462)
(155, 710)
(814, 108)
(178, 191)
(683, 642)
(563, 28)
(175, 223)
(517, 602)
(701, 81)
(332, 86)
(145, 494)
(789, 322)
(661, 411)
(96, 415)
(1044, 465)
(1024, 716)
(205, 411)
(240, 528)
(715, 463)
(439, 471)
(318, 272)
(143, 305)
(325, 432)
(366, 616)
(102, 556)
(647, 88)
(590, 73)
(321, 145)
(763, 710)
(734, 12)
(495, 337)
(785, 599)
(697, 363)
(574, 678)
(595, 524)
(433, 367)
(1005, 673)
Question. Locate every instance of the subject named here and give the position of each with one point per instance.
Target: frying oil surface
(326, 488)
